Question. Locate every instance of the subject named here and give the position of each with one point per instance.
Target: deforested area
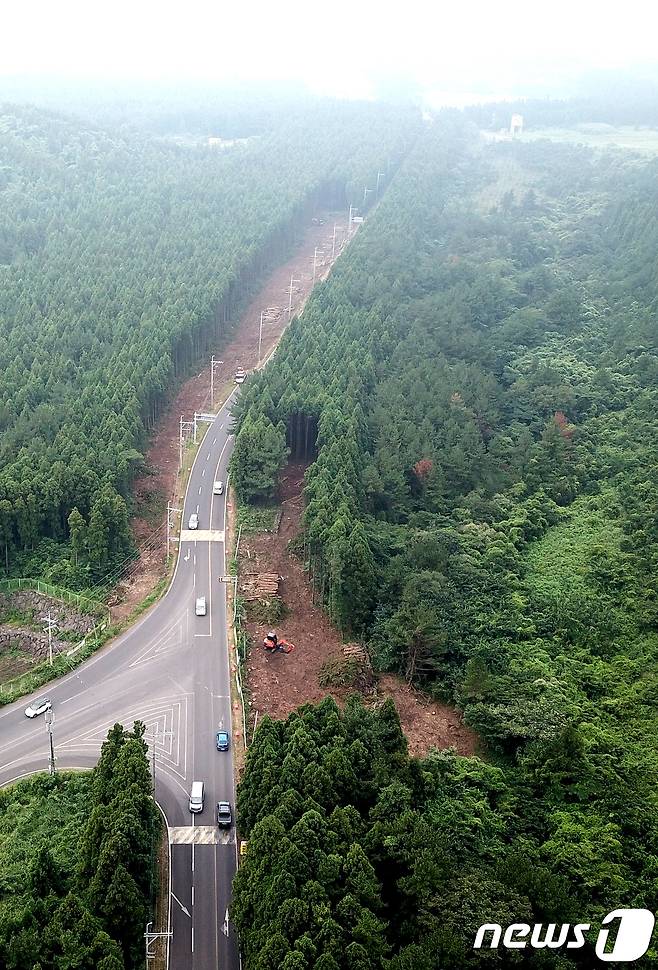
(476, 390)
(123, 260)
(328, 422)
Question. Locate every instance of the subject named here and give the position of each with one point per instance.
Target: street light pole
(156, 734)
(49, 724)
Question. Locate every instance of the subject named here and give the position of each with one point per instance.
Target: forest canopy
(475, 389)
(77, 855)
(123, 259)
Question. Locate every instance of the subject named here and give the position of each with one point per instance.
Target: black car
(224, 815)
(223, 740)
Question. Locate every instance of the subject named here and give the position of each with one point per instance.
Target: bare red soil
(152, 491)
(281, 682)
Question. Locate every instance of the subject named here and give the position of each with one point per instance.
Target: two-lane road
(171, 671)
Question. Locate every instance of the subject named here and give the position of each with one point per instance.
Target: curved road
(170, 670)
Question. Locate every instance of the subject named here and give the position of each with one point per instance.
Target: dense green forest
(476, 387)
(123, 260)
(77, 863)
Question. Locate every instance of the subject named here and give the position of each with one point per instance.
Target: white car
(218, 488)
(194, 521)
(38, 707)
(200, 606)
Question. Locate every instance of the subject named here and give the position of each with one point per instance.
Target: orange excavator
(274, 644)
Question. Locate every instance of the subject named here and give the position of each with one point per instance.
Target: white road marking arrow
(184, 908)
(225, 926)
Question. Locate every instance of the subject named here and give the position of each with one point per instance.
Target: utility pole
(317, 252)
(260, 334)
(185, 427)
(380, 175)
(51, 625)
(180, 449)
(333, 245)
(213, 363)
(49, 725)
(170, 509)
(353, 210)
(292, 280)
(365, 194)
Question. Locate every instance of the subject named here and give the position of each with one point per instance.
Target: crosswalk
(202, 535)
(198, 835)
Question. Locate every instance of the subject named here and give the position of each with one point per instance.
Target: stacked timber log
(260, 586)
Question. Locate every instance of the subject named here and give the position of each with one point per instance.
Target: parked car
(38, 707)
(218, 488)
(196, 797)
(194, 521)
(200, 606)
(223, 740)
(224, 815)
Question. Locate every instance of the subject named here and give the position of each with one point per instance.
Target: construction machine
(274, 643)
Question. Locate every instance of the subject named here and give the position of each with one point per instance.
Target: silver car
(194, 521)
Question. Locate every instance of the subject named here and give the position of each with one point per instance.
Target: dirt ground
(152, 491)
(281, 682)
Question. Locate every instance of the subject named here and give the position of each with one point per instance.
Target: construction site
(308, 661)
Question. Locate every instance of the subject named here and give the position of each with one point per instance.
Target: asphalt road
(171, 670)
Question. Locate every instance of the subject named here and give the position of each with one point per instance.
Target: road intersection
(171, 671)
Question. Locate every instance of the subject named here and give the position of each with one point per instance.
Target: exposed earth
(152, 491)
(280, 682)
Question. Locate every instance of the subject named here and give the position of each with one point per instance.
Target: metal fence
(83, 603)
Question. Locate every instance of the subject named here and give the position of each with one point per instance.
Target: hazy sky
(344, 47)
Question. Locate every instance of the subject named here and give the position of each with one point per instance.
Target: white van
(218, 488)
(200, 606)
(196, 797)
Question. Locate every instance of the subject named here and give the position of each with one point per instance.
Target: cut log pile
(356, 651)
(260, 586)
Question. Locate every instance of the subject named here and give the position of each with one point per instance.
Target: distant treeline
(622, 104)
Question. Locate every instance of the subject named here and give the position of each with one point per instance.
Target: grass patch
(511, 176)
(566, 557)
(600, 136)
(257, 518)
(267, 611)
(580, 585)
